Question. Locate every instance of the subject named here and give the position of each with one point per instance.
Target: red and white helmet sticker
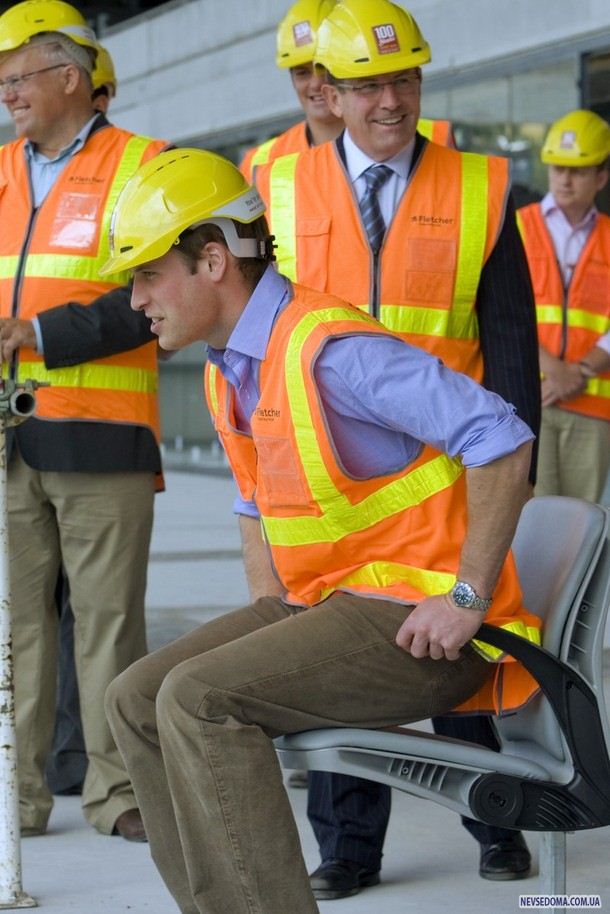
(568, 139)
(386, 38)
(302, 33)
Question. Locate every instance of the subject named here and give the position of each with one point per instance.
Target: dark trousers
(67, 765)
(350, 815)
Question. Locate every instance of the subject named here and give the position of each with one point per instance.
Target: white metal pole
(11, 892)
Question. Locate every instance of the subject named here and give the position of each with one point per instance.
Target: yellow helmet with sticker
(296, 34)
(580, 138)
(361, 38)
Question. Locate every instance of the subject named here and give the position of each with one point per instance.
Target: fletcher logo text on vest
(268, 414)
(423, 219)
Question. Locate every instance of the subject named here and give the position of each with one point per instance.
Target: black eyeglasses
(402, 85)
(13, 83)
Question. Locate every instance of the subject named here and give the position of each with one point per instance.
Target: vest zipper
(375, 282)
(564, 320)
(19, 274)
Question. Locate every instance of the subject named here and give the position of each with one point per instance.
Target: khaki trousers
(99, 526)
(195, 720)
(574, 454)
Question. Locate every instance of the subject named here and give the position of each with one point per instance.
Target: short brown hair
(192, 241)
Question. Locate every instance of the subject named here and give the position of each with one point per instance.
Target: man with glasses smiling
(425, 238)
(296, 42)
(81, 472)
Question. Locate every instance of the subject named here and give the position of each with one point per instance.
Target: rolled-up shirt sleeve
(241, 506)
(604, 342)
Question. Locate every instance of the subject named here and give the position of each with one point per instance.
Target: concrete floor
(430, 863)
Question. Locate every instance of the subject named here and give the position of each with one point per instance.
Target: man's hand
(438, 628)
(15, 333)
(562, 380)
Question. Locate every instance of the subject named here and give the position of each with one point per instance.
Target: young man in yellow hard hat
(325, 416)
(567, 241)
(432, 251)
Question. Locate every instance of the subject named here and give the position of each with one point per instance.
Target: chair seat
(407, 743)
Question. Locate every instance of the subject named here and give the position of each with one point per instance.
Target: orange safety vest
(52, 255)
(295, 140)
(423, 284)
(292, 140)
(571, 321)
(440, 132)
(397, 536)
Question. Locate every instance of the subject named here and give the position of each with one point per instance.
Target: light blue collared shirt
(382, 397)
(390, 193)
(44, 172)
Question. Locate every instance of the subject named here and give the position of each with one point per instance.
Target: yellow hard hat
(368, 38)
(24, 20)
(177, 190)
(296, 33)
(578, 138)
(103, 71)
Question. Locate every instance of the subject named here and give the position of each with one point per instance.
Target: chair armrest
(572, 699)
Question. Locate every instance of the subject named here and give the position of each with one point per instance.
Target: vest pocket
(280, 482)
(313, 241)
(430, 265)
(539, 272)
(595, 286)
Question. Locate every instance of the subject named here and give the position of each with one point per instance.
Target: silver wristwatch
(465, 596)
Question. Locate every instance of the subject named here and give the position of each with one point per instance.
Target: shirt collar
(357, 161)
(250, 336)
(549, 207)
(77, 143)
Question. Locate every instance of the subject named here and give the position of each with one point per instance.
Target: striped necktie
(375, 177)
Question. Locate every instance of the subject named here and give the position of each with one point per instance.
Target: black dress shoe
(341, 878)
(506, 859)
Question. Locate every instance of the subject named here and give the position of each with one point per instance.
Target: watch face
(463, 594)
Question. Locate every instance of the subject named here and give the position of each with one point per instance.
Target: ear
(602, 179)
(72, 78)
(333, 98)
(214, 260)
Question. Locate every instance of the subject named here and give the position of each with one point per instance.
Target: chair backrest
(562, 553)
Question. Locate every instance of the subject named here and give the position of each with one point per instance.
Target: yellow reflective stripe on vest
(8, 266)
(261, 156)
(520, 224)
(132, 156)
(70, 266)
(378, 575)
(473, 231)
(430, 321)
(495, 654)
(585, 320)
(339, 515)
(67, 266)
(426, 127)
(87, 375)
(283, 209)
(597, 387)
(212, 389)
